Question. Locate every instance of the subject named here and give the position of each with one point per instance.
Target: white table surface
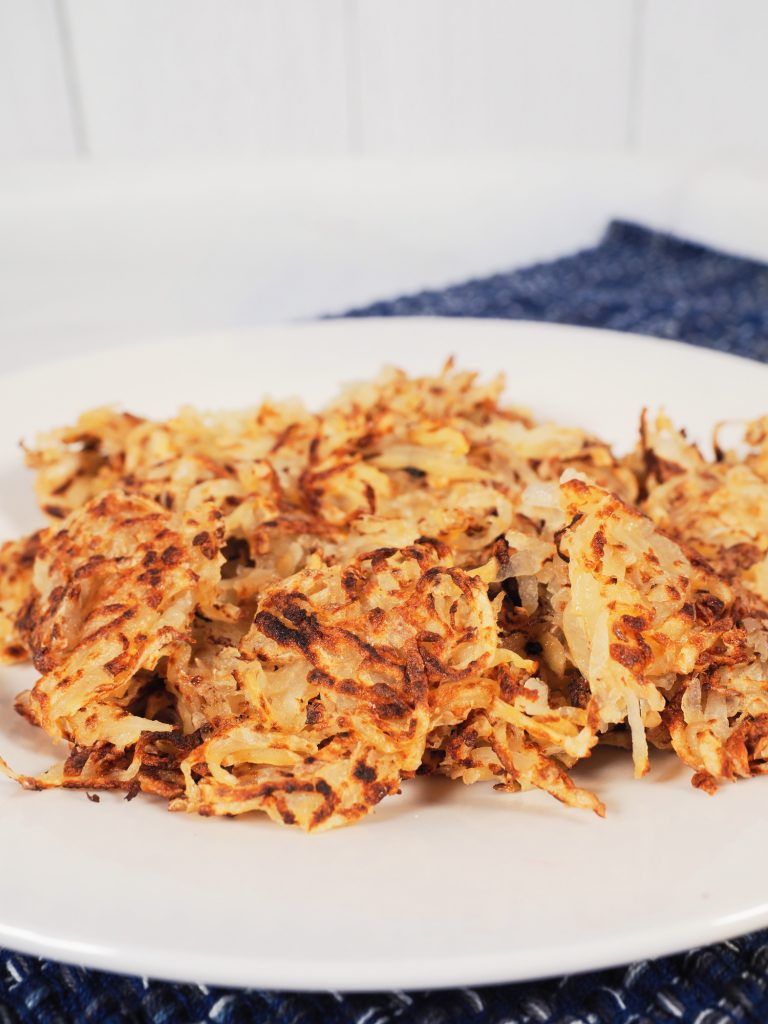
(95, 254)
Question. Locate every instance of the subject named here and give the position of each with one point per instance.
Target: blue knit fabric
(634, 280)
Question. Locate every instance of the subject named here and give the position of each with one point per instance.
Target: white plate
(444, 885)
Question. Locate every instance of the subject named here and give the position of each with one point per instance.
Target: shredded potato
(297, 612)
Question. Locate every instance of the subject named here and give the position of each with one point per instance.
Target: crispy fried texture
(720, 509)
(296, 612)
(17, 559)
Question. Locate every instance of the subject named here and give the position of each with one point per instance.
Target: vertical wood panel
(34, 103)
(197, 77)
(704, 76)
(175, 77)
(494, 75)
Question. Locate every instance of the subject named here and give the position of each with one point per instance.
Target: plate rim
(146, 342)
(437, 973)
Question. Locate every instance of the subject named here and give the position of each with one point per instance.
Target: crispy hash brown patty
(293, 612)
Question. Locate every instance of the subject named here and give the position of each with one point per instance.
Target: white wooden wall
(165, 78)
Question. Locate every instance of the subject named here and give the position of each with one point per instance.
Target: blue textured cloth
(634, 280)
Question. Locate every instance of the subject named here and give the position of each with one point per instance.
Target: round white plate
(445, 885)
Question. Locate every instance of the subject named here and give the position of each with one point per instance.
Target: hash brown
(297, 612)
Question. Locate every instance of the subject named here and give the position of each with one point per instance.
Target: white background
(168, 166)
(142, 78)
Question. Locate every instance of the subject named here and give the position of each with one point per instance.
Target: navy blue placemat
(634, 280)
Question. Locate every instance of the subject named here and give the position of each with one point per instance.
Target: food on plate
(296, 612)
